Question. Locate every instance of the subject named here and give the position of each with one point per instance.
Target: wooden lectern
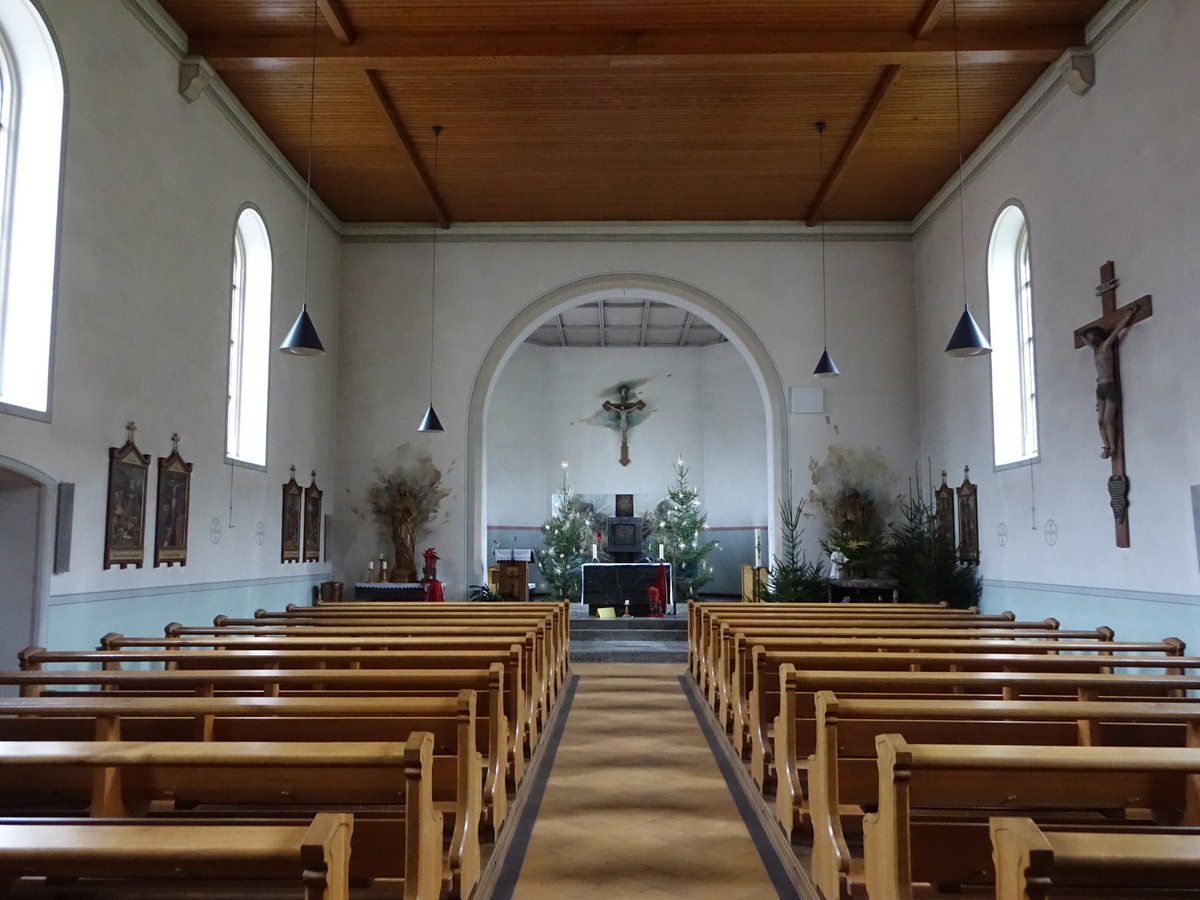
(512, 579)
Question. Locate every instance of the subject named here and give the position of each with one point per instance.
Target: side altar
(615, 584)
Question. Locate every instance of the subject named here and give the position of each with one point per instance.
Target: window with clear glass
(31, 134)
(1014, 379)
(249, 341)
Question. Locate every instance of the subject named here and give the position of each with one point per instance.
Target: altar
(614, 584)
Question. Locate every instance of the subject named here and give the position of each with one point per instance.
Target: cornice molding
(164, 29)
(1106, 23)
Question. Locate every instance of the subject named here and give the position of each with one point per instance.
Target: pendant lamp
(430, 421)
(302, 339)
(826, 368)
(968, 339)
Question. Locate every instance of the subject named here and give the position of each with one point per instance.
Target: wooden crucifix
(1104, 335)
(623, 409)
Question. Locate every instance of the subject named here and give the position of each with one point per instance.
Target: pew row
(274, 782)
(1034, 863)
(420, 673)
(186, 856)
(534, 690)
(843, 775)
(756, 664)
(926, 832)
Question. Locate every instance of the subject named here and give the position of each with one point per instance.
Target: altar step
(629, 640)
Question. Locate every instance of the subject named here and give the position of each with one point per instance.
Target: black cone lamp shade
(967, 339)
(431, 422)
(302, 340)
(826, 368)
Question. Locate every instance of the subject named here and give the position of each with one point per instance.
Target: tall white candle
(595, 552)
(757, 549)
(660, 551)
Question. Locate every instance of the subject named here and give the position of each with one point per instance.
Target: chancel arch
(763, 382)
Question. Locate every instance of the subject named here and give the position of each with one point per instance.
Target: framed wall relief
(944, 500)
(171, 508)
(968, 520)
(125, 516)
(312, 521)
(289, 550)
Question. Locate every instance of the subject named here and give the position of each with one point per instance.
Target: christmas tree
(565, 535)
(681, 537)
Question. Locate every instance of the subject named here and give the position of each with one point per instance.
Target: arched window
(31, 132)
(249, 341)
(1010, 300)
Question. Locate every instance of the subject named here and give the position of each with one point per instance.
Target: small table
(393, 592)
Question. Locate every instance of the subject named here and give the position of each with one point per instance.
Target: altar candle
(757, 549)
(595, 552)
(660, 551)
(370, 571)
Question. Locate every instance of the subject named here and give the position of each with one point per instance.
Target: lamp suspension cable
(431, 422)
(967, 339)
(302, 340)
(826, 368)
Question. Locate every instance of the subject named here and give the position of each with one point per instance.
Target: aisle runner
(635, 805)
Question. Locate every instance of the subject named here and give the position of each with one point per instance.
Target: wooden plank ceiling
(628, 110)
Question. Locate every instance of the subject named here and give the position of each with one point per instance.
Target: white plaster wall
(483, 285)
(1112, 175)
(702, 404)
(152, 188)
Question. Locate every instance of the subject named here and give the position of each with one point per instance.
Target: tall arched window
(31, 131)
(1010, 301)
(249, 341)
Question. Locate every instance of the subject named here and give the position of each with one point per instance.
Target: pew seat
(184, 856)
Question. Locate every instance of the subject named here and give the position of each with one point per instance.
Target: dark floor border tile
(499, 877)
(787, 876)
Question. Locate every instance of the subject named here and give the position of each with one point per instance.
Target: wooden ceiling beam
(393, 115)
(928, 18)
(866, 118)
(827, 49)
(337, 20)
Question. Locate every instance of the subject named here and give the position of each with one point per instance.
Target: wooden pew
(533, 687)
(396, 697)
(272, 781)
(184, 855)
(432, 671)
(749, 669)
(1157, 784)
(717, 656)
(843, 772)
(457, 773)
(799, 688)
(558, 641)
(542, 661)
(739, 693)
(1033, 863)
(758, 710)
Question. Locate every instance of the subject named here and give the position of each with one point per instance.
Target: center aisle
(635, 805)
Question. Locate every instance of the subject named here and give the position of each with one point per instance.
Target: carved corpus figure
(623, 409)
(1108, 389)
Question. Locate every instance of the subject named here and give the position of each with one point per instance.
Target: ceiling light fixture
(968, 339)
(302, 340)
(826, 368)
(430, 421)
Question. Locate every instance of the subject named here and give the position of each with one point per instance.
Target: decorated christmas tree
(565, 535)
(683, 539)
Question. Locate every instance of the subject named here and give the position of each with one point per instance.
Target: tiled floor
(635, 806)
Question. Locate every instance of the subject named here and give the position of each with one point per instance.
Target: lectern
(512, 580)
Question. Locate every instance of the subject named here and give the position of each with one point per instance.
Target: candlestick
(757, 549)
(660, 551)
(595, 552)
